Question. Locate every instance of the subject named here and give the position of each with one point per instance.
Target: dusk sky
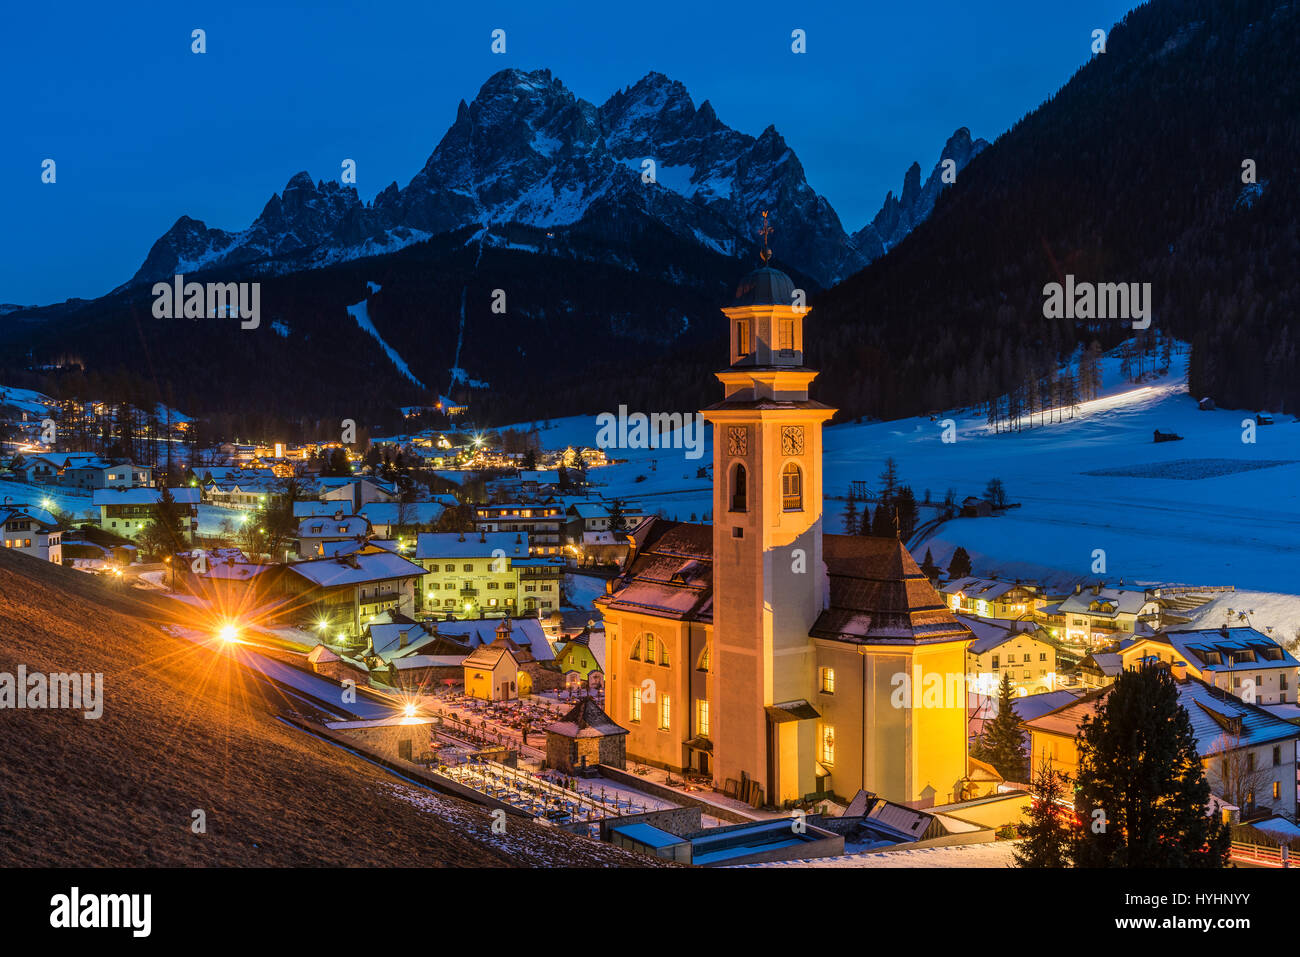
(144, 131)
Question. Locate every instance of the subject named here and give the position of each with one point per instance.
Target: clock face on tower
(792, 440)
(737, 440)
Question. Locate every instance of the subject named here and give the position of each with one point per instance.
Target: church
(782, 661)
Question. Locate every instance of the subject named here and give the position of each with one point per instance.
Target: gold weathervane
(765, 230)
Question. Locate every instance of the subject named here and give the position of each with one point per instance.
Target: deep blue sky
(144, 131)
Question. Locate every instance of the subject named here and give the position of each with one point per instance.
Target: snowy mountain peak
(527, 150)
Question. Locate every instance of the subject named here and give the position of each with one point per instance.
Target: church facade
(762, 650)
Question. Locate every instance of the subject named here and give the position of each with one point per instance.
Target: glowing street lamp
(228, 634)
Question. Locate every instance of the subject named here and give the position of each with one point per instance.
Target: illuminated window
(785, 340)
(702, 716)
(650, 649)
(742, 337)
(634, 712)
(791, 488)
(665, 712)
(828, 680)
(703, 664)
(663, 653)
(739, 496)
(1277, 790)
(828, 745)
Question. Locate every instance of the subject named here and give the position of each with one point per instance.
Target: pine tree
(882, 523)
(906, 511)
(889, 480)
(1002, 743)
(959, 565)
(1045, 839)
(1140, 788)
(851, 516)
(928, 566)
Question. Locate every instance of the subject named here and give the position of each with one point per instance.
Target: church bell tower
(769, 580)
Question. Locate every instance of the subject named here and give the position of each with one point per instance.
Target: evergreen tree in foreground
(1002, 744)
(1140, 789)
(1045, 839)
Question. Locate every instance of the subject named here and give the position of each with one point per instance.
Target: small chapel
(778, 659)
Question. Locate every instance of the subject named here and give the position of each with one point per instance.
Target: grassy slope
(184, 728)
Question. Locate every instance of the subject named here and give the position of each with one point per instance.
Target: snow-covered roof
(437, 545)
(989, 589)
(355, 569)
(990, 633)
(143, 496)
(1122, 601)
(349, 526)
(524, 632)
(1229, 649)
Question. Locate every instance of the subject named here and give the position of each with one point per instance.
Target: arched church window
(636, 651)
(649, 649)
(739, 496)
(791, 488)
(703, 663)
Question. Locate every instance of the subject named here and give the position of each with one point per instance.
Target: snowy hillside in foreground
(1207, 510)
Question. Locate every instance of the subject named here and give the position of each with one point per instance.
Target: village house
(314, 533)
(1099, 615)
(1100, 668)
(1249, 755)
(31, 531)
(1241, 660)
(992, 598)
(541, 524)
(243, 488)
(497, 671)
(1021, 654)
(471, 575)
(578, 664)
(128, 511)
(344, 594)
(355, 491)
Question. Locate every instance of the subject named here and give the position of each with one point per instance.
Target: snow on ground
(1263, 611)
(581, 591)
(1210, 509)
(995, 854)
(1169, 519)
(26, 400)
(360, 313)
(74, 502)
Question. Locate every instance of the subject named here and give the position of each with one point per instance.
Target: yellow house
(780, 660)
(1241, 660)
(1023, 655)
(493, 673)
(576, 658)
(992, 598)
(1248, 753)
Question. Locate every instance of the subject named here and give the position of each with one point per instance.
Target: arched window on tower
(739, 496)
(791, 488)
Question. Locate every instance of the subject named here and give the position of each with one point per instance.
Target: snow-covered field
(1210, 509)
